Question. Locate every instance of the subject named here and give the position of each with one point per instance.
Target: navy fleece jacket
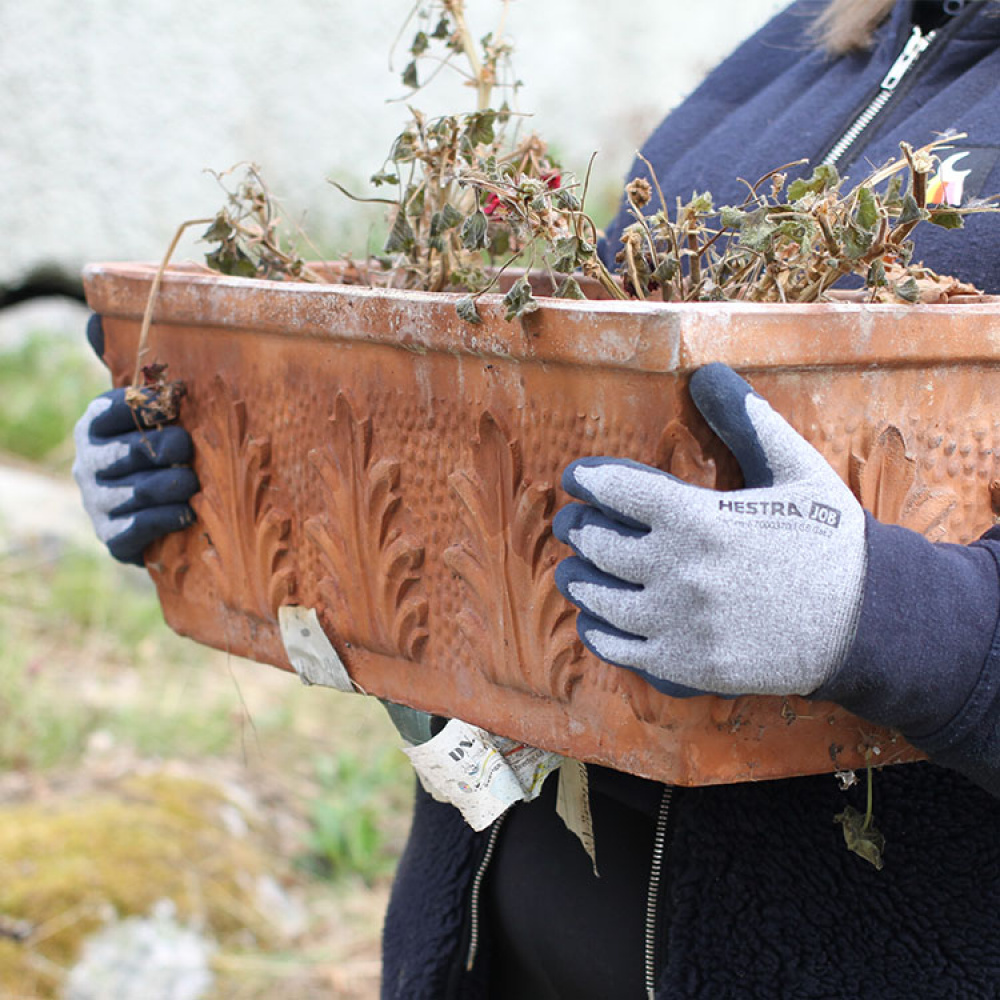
(760, 899)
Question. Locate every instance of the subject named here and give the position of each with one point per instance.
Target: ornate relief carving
(168, 560)
(679, 453)
(373, 588)
(521, 629)
(883, 476)
(248, 534)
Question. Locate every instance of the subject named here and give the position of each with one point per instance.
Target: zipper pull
(915, 45)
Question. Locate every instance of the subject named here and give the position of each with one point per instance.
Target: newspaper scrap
(480, 774)
(309, 650)
(573, 806)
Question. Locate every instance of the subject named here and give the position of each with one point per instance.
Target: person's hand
(752, 591)
(135, 480)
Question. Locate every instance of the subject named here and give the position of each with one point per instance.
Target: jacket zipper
(477, 887)
(916, 45)
(653, 894)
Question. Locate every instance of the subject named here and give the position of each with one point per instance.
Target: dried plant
(472, 200)
(248, 233)
(473, 195)
(788, 242)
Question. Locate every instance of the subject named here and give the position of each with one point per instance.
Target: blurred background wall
(111, 110)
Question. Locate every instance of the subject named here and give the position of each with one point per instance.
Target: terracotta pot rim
(660, 336)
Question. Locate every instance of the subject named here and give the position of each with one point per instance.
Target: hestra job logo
(821, 513)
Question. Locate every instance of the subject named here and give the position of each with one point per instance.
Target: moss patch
(65, 867)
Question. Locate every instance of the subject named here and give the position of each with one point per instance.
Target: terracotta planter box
(368, 454)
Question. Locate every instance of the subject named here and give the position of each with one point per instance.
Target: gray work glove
(754, 591)
(135, 481)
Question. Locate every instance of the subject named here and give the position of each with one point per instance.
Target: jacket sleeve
(926, 656)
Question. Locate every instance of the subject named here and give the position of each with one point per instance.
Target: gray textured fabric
(751, 591)
(93, 457)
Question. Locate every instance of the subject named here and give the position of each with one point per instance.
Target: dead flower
(639, 191)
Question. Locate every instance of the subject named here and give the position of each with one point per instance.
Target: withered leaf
(567, 200)
(450, 216)
(475, 235)
(757, 231)
(220, 229)
(867, 215)
(232, 260)
(565, 254)
(466, 309)
(908, 291)
(865, 841)
(401, 237)
(519, 300)
(876, 275)
(824, 177)
(857, 241)
(946, 218)
(570, 289)
(420, 44)
(434, 239)
(479, 127)
(800, 229)
(910, 211)
(403, 148)
(410, 75)
(415, 201)
(666, 269)
(730, 217)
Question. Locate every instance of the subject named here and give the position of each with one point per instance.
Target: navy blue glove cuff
(926, 655)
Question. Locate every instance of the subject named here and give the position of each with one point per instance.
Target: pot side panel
(408, 497)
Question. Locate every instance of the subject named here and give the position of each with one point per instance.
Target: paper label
(480, 774)
(573, 805)
(309, 650)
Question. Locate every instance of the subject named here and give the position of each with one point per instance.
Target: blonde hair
(848, 25)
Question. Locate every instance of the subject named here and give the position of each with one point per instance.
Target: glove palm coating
(135, 481)
(754, 591)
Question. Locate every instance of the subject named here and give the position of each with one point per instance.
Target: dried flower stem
(154, 288)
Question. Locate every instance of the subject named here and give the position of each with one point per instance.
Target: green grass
(356, 792)
(39, 726)
(90, 592)
(83, 648)
(45, 384)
